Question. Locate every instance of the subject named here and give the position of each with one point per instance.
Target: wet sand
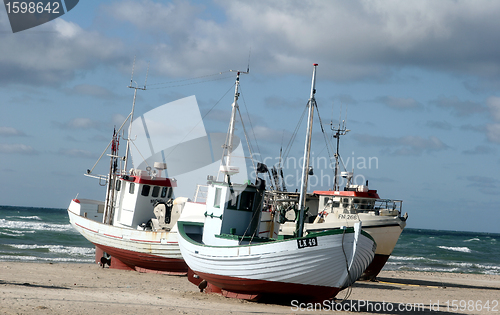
(40, 288)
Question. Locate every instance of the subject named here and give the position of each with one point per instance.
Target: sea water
(446, 251)
(45, 235)
(41, 235)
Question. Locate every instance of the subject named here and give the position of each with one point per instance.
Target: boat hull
(140, 250)
(384, 230)
(281, 267)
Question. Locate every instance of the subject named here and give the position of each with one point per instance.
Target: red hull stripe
(86, 228)
(255, 287)
(368, 194)
(167, 182)
(145, 241)
(146, 261)
(114, 236)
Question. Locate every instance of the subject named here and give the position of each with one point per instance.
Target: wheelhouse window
(334, 203)
(345, 202)
(233, 202)
(131, 188)
(118, 185)
(246, 200)
(166, 192)
(156, 191)
(218, 192)
(145, 190)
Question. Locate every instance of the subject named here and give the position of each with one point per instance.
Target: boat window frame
(244, 197)
(156, 192)
(131, 188)
(217, 197)
(145, 190)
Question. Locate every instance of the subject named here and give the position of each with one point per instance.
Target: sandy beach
(40, 288)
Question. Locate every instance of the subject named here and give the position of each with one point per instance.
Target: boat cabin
(136, 197)
(233, 212)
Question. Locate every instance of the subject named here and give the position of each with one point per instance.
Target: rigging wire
(200, 120)
(251, 125)
(248, 141)
(294, 135)
(324, 135)
(189, 79)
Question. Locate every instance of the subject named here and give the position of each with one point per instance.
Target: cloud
(493, 104)
(493, 132)
(54, 53)
(91, 90)
(365, 39)
(486, 185)
(459, 108)
(17, 148)
(407, 145)
(269, 135)
(80, 123)
(399, 103)
(443, 125)
(11, 132)
(78, 153)
(283, 103)
(479, 150)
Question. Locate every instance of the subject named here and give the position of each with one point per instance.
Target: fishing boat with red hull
(231, 252)
(135, 226)
(333, 209)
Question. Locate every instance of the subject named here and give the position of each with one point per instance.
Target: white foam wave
(36, 226)
(406, 258)
(69, 250)
(472, 239)
(34, 258)
(457, 249)
(32, 217)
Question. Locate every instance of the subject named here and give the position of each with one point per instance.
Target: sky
(417, 83)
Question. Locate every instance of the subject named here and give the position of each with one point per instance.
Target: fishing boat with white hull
(334, 209)
(231, 252)
(135, 227)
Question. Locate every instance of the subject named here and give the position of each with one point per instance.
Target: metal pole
(307, 154)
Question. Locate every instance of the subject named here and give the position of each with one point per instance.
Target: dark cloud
(479, 150)
(93, 91)
(365, 40)
(53, 53)
(407, 145)
(11, 132)
(443, 125)
(78, 153)
(458, 107)
(80, 123)
(399, 103)
(17, 148)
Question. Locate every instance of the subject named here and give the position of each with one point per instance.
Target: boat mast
(110, 195)
(340, 131)
(307, 154)
(132, 112)
(229, 144)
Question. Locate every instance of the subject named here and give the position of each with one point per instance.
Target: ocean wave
(37, 226)
(457, 249)
(60, 249)
(32, 217)
(472, 239)
(406, 258)
(45, 259)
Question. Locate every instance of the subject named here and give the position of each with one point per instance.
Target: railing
(201, 193)
(389, 204)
